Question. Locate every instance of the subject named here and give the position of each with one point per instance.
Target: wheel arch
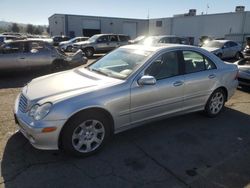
(89, 110)
(224, 90)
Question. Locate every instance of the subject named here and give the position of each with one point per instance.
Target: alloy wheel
(88, 136)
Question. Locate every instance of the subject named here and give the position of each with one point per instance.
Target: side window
(196, 62)
(227, 45)
(124, 38)
(13, 48)
(164, 67)
(103, 39)
(232, 44)
(36, 47)
(113, 38)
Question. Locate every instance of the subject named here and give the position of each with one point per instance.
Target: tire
(238, 56)
(69, 49)
(215, 103)
(80, 136)
(58, 65)
(89, 52)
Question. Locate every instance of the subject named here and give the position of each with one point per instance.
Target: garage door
(129, 28)
(91, 24)
(91, 27)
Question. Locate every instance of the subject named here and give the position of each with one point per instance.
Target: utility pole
(207, 8)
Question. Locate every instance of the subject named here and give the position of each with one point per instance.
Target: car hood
(211, 49)
(61, 85)
(65, 42)
(82, 43)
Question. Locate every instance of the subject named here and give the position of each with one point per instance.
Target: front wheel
(89, 52)
(85, 135)
(215, 103)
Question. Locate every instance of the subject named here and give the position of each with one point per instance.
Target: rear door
(38, 55)
(227, 50)
(114, 42)
(200, 75)
(163, 98)
(12, 56)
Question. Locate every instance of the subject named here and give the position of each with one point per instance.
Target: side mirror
(147, 80)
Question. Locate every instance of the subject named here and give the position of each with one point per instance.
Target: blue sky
(38, 11)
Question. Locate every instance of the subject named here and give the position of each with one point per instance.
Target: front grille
(23, 103)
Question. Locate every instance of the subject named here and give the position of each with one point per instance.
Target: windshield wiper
(99, 71)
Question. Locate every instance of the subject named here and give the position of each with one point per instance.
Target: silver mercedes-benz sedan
(78, 110)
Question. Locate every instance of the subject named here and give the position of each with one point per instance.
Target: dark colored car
(58, 39)
(246, 51)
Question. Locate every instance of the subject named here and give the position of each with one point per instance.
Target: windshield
(213, 44)
(120, 63)
(73, 40)
(93, 38)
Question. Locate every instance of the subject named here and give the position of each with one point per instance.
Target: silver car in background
(244, 72)
(28, 54)
(78, 110)
(224, 48)
(68, 45)
(101, 43)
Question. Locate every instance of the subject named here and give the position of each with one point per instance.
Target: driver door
(163, 98)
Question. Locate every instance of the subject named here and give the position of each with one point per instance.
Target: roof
(157, 47)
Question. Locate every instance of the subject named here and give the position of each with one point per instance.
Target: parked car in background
(223, 48)
(137, 39)
(68, 45)
(58, 39)
(101, 43)
(47, 40)
(28, 54)
(5, 38)
(78, 110)
(246, 51)
(244, 72)
(164, 39)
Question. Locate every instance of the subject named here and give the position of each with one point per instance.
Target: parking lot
(186, 151)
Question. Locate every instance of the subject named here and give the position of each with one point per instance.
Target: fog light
(48, 129)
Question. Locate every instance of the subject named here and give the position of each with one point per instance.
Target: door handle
(178, 83)
(211, 76)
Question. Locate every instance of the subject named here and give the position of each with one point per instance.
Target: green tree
(15, 28)
(30, 29)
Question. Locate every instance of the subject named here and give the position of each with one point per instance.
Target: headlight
(39, 112)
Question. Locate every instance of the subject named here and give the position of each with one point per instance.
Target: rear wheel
(85, 135)
(215, 103)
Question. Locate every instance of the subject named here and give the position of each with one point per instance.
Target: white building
(75, 25)
(233, 25)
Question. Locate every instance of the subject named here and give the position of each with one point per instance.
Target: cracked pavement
(184, 151)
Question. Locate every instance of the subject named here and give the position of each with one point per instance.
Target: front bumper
(244, 78)
(32, 130)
